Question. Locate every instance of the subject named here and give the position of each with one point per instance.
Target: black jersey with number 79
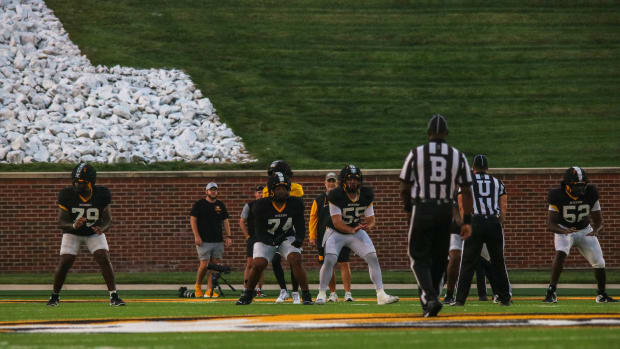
(90, 208)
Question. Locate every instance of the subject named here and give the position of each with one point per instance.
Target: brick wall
(151, 229)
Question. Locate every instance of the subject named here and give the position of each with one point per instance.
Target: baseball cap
(211, 185)
(481, 161)
(331, 175)
(437, 124)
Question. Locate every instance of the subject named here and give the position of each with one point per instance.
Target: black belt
(433, 201)
(486, 216)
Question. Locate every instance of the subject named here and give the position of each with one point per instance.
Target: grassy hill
(321, 83)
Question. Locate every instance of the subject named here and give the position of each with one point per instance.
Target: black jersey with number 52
(272, 223)
(574, 213)
(92, 209)
(352, 211)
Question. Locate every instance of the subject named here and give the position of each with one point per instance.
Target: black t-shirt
(272, 225)
(250, 219)
(70, 201)
(574, 213)
(210, 216)
(352, 211)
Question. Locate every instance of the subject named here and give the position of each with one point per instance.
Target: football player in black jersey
(279, 227)
(575, 218)
(84, 217)
(352, 214)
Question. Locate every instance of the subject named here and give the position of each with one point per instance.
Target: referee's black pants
(429, 242)
(485, 229)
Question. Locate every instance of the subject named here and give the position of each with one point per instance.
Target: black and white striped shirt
(486, 191)
(435, 170)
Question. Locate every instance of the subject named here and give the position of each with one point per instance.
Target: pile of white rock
(55, 106)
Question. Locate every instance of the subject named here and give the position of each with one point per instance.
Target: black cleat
(448, 299)
(551, 297)
(246, 298)
(601, 298)
(483, 298)
(505, 303)
(116, 301)
(307, 297)
(432, 308)
(457, 304)
(54, 300)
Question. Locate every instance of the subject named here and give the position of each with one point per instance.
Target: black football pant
(429, 242)
(485, 229)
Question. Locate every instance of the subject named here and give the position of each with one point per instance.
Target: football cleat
(483, 298)
(457, 304)
(320, 298)
(307, 297)
(551, 297)
(211, 294)
(432, 308)
(283, 296)
(348, 297)
(496, 299)
(116, 301)
(505, 303)
(604, 298)
(448, 299)
(333, 297)
(384, 298)
(54, 300)
(245, 299)
(260, 293)
(198, 291)
(296, 299)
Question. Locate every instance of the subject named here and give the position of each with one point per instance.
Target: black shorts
(249, 247)
(344, 255)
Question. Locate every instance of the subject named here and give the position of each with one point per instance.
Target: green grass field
(93, 306)
(321, 83)
(526, 276)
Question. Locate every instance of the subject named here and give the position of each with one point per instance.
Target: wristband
(467, 219)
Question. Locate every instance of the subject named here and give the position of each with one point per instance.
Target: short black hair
(437, 125)
(259, 188)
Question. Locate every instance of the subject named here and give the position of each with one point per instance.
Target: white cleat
(283, 296)
(320, 298)
(296, 299)
(333, 297)
(348, 297)
(384, 298)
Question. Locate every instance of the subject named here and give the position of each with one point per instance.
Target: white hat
(211, 185)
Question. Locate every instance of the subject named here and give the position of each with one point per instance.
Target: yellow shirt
(314, 220)
(296, 190)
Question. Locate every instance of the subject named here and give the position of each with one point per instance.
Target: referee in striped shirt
(490, 204)
(429, 180)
